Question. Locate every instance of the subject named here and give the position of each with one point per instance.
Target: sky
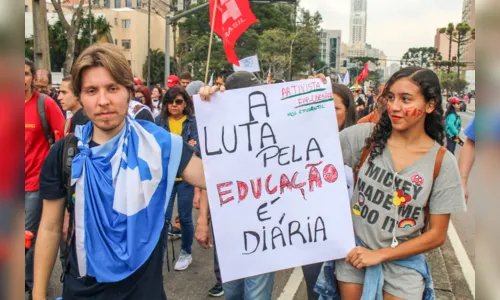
(393, 25)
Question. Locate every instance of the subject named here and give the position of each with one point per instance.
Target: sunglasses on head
(176, 101)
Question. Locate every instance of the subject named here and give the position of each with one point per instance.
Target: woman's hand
(192, 143)
(360, 257)
(322, 77)
(206, 91)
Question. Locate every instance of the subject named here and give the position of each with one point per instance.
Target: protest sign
(275, 177)
(249, 64)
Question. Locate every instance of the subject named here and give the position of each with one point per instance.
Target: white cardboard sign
(275, 177)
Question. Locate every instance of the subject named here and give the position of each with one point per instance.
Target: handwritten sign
(249, 64)
(275, 177)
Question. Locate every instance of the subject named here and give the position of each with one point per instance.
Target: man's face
(28, 78)
(185, 82)
(104, 101)
(66, 97)
(41, 82)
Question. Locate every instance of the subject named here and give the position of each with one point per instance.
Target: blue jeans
(32, 216)
(185, 194)
(259, 287)
(450, 144)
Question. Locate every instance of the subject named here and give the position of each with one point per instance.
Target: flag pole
(210, 43)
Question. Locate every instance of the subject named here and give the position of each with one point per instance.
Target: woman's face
(340, 109)
(140, 97)
(155, 94)
(176, 107)
(456, 106)
(406, 105)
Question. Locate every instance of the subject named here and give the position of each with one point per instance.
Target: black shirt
(145, 115)
(79, 118)
(145, 283)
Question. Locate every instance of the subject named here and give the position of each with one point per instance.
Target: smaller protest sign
(249, 64)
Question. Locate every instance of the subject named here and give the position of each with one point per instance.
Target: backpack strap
(437, 168)
(40, 104)
(364, 156)
(70, 149)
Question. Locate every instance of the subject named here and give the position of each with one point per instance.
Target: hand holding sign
(275, 177)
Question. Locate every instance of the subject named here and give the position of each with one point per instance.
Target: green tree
(157, 67)
(359, 63)
(274, 52)
(462, 34)
(450, 82)
(28, 48)
(421, 57)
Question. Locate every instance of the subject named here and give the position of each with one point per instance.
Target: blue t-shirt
(470, 131)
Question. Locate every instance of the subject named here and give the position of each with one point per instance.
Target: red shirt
(36, 146)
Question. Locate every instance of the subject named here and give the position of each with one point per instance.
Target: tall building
(358, 22)
(442, 43)
(469, 51)
(330, 48)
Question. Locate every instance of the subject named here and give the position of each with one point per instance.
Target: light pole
(291, 53)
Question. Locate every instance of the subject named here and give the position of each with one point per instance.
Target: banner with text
(275, 177)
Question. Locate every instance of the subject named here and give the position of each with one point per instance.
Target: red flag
(232, 19)
(363, 74)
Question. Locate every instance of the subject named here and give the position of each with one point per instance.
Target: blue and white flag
(249, 64)
(122, 191)
(347, 79)
(211, 82)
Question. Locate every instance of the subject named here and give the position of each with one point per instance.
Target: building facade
(330, 49)
(129, 26)
(468, 52)
(358, 22)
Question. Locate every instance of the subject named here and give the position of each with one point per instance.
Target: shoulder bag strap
(40, 104)
(437, 168)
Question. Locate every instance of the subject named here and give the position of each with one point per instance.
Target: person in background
(71, 103)
(137, 83)
(185, 79)
(360, 104)
(381, 105)
(221, 77)
(177, 118)
(143, 96)
(172, 81)
(43, 85)
(467, 155)
(36, 148)
(156, 96)
(346, 117)
(453, 124)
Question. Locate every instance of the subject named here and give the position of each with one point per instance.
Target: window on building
(128, 3)
(116, 42)
(333, 53)
(126, 23)
(126, 44)
(139, 3)
(107, 4)
(118, 3)
(116, 21)
(26, 8)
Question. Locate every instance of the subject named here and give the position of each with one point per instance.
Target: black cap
(241, 79)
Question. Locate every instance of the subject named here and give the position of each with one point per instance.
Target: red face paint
(408, 111)
(413, 112)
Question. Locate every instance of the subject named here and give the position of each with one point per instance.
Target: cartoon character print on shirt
(379, 194)
(417, 179)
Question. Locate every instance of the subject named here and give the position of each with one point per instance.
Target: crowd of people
(106, 157)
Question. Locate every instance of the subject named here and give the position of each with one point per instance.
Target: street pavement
(446, 265)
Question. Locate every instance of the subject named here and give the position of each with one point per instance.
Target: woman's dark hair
(147, 96)
(170, 96)
(159, 92)
(430, 88)
(348, 100)
(450, 110)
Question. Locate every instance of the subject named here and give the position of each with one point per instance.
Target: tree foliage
(421, 57)
(451, 83)
(270, 38)
(157, 67)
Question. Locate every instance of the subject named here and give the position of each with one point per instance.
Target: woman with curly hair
(408, 183)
